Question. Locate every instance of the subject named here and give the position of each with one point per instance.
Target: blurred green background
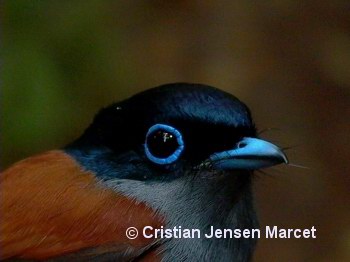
(288, 60)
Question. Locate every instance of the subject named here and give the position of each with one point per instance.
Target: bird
(177, 155)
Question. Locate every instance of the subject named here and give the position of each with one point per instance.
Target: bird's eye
(164, 144)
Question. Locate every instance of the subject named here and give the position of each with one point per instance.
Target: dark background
(288, 60)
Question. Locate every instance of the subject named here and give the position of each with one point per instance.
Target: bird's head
(187, 151)
(172, 131)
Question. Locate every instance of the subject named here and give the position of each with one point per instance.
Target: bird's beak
(249, 153)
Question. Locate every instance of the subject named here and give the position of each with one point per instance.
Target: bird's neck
(201, 204)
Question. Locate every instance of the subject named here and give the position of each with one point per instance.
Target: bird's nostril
(241, 145)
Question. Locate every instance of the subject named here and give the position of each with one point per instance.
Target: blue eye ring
(174, 156)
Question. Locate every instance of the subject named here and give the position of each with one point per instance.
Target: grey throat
(198, 202)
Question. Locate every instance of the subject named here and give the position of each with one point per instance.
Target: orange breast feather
(51, 207)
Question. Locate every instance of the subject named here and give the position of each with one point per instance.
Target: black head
(159, 133)
(187, 151)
